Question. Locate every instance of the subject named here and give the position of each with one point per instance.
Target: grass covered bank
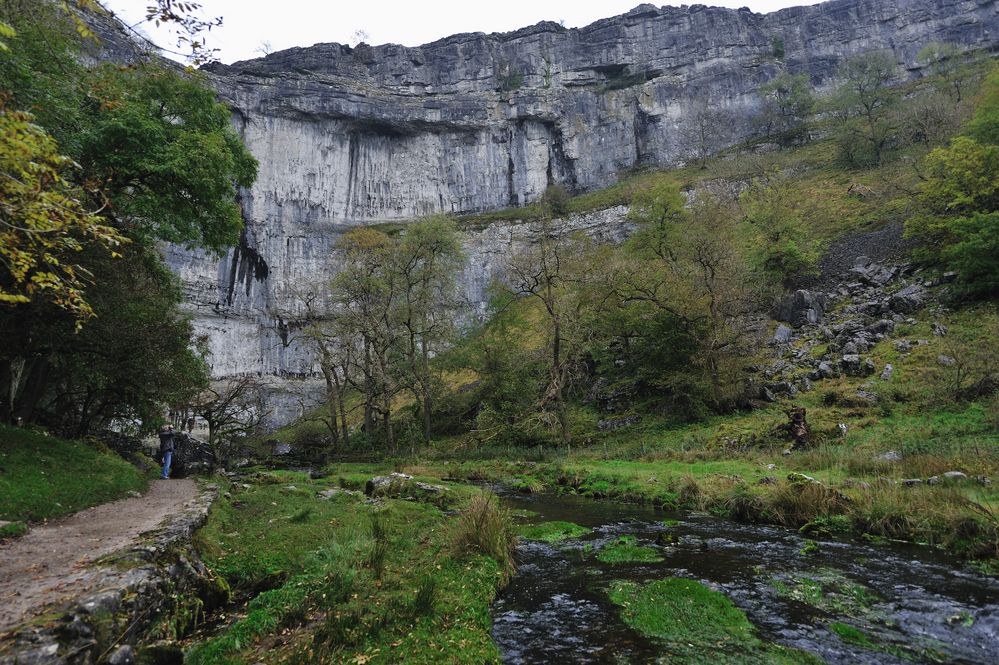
(331, 576)
(43, 477)
(857, 490)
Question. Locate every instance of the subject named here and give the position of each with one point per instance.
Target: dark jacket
(166, 442)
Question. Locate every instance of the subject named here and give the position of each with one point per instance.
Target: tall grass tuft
(380, 547)
(426, 596)
(484, 527)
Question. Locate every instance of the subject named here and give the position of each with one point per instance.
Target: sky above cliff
(252, 27)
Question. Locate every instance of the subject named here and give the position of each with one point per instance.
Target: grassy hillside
(43, 477)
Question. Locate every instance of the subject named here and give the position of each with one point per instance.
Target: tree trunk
(558, 375)
(341, 407)
(33, 390)
(425, 386)
(369, 391)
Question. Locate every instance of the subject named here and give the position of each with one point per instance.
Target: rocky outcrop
(159, 582)
(349, 136)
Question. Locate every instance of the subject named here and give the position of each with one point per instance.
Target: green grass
(342, 580)
(13, 530)
(44, 477)
(626, 550)
(696, 624)
(552, 532)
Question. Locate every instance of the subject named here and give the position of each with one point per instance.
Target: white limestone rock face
(474, 122)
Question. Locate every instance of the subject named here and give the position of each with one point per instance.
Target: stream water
(915, 604)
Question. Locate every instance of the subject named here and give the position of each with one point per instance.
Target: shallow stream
(912, 603)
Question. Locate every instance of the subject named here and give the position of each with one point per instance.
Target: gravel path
(48, 566)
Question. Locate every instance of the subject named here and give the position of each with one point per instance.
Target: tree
(135, 153)
(787, 103)
(705, 129)
(364, 294)
(132, 357)
(427, 260)
(864, 100)
(333, 348)
(959, 194)
(947, 62)
(689, 277)
(551, 270)
(781, 247)
(43, 222)
(231, 408)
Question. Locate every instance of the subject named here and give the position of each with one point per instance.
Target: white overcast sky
(249, 24)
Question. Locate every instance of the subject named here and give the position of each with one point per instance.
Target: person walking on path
(166, 449)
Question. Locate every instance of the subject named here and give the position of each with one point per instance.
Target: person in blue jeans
(166, 449)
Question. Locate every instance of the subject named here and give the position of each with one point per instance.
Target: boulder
(382, 483)
(783, 335)
(892, 456)
(123, 655)
(192, 456)
(853, 366)
(801, 307)
(946, 361)
(401, 484)
(908, 300)
(955, 475)
(887, 372)
(873, 273)
(881, 327)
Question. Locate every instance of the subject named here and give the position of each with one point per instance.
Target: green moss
(45, 476)
(810, 548)
(830, 591)
(552, 532)
(851, 635)
(696, 624)
(626, 550)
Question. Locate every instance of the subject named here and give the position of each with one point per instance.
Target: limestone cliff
(348, 136)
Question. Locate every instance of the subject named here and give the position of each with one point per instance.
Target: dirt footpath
(48, 566)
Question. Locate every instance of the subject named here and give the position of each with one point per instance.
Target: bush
(556, 199)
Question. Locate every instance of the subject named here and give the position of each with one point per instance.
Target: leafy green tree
(960, 196)
(787, 103)
(427, 260)
(781, 246)
(134, 355)
(364, 294)
(691, 273)
(551, 271)
(865, 100)
(43, 222)
(984, 124)
(166, 155)
(118, 154)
